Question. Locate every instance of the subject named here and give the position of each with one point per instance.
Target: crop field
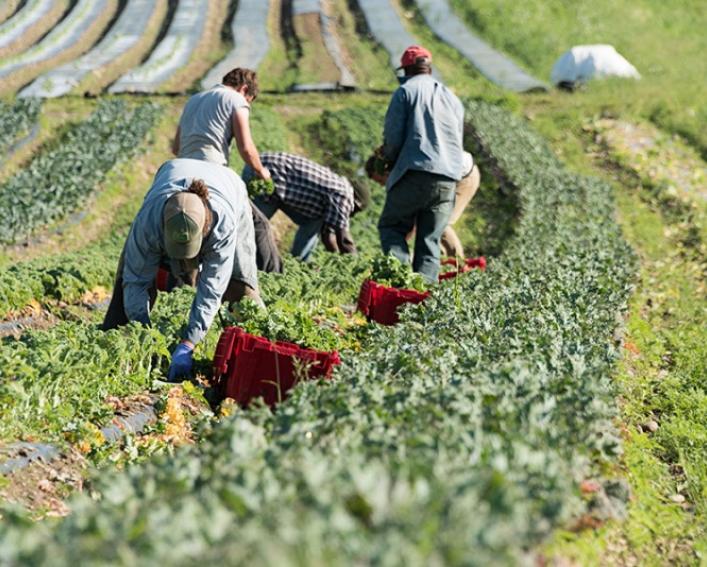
(550, 409)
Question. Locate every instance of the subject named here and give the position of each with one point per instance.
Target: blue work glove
(181, 362)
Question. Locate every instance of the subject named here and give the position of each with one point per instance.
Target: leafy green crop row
(59, 180)
(456, 437)
(45, 401)
(16, 119)
(56, 381)
(64, 277)
(67, 277)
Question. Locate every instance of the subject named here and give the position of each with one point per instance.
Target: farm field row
(341, 138)
(549, 421)
(506, 423)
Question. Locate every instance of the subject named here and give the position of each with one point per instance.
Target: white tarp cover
(584, 62)
(62, 37)
(493, 65)
(387, 29)
(121, 38)
(171, 54)
(250, 38)
(301, 7)
(32, 12)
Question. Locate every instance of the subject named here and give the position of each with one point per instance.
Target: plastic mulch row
(121, 38)
(250, 367)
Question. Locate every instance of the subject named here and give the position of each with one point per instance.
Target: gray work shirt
(424, 130)
(206, 125)
(228, 252)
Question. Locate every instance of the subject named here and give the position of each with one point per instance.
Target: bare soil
(43, 487)
(316, 65)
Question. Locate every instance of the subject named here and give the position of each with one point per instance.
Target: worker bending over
(213, 118)
(195, 222)
(315, 198)
(422, 137)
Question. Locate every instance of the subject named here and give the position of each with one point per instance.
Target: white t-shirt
(206, 125)
(467, 164)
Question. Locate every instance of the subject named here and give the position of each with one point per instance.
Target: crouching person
(466, 189)
(315, 198)
(196, 222)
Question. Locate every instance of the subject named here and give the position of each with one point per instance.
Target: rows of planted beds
(459, 436)
(16, 120)
(55, 383)
(59, 180)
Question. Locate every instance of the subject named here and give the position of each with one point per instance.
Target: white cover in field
(171, 54)
(300, 7)
(121, 38)
(29, 15)
(584, 62)
(62, 37)
(250, 38)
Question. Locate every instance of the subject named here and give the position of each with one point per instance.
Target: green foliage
(64, 277)
(309, 304)
(59, 180)
(537, 32)
(388, 270)
(54, 381)
(268, 131)
(456, 437)
(260, 187)
(283, 322)
(16, 119)
(349, 136)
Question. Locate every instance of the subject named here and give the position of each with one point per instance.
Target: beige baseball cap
(183, 218)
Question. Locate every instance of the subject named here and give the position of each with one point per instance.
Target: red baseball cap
(411, 55)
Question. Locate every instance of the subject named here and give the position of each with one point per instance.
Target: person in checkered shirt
(315, 198)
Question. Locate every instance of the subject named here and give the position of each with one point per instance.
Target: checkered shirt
(312, 189)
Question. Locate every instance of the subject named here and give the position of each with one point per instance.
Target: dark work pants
(115, 315)
(267, 256)
(422, 200)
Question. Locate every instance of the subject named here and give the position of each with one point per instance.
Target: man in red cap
(422, 138)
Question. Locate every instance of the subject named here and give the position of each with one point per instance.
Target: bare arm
(329, 240)
(175, 142)
(337, 240)
(244, 143)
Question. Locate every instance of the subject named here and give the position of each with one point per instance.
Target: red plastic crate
(250, 367)
(467, 266)
(380, 303)
(162, 280)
